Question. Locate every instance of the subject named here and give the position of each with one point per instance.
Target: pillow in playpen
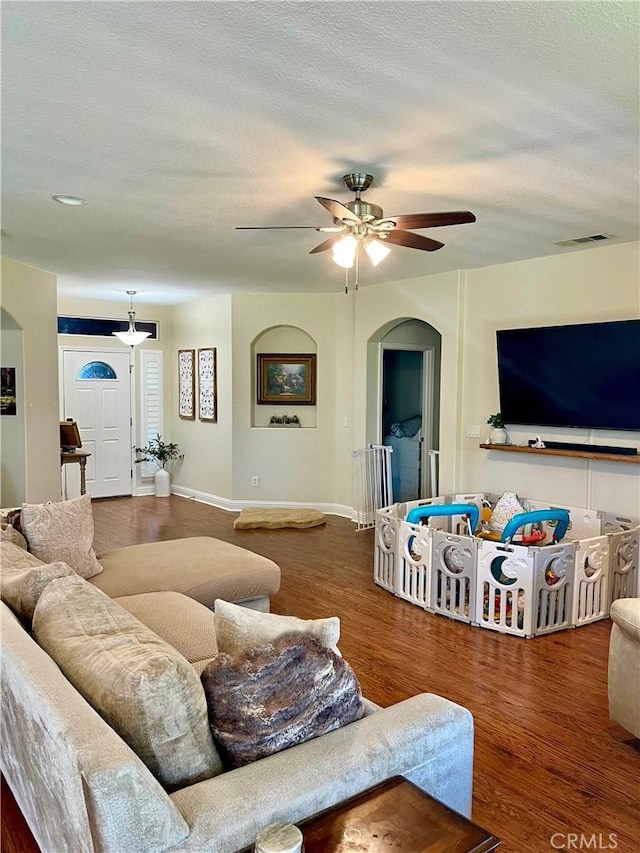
(145, 689)
(62, 531)
(239, 628)
(504, 510)
(272, 697)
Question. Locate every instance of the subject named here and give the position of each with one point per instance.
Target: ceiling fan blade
(271, 227)
(327, 244)
(338, 210)
(413, 241)
(433, 220)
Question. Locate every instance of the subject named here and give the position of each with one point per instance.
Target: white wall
(29, 297)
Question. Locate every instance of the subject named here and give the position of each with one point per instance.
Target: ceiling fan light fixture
(132, 337)
(344, 251)
(376, 250)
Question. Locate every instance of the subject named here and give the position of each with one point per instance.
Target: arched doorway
(403, 390)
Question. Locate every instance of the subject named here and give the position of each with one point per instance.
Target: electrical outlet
(473, 431)
(255, 481)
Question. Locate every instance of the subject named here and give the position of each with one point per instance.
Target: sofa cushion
(238, 628)
(266, 699)
(62, 531)
(23, 579)
(200, 567)
(145, 690)
(184, 623)
(8, 533)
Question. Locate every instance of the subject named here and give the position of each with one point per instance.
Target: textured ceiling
(179, 120)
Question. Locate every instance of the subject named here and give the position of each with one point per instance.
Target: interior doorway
(97, 395)
(407, 410)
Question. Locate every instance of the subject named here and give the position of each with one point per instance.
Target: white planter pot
(499, 436)
(163, 483)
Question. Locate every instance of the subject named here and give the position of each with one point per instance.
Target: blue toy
(425, 512)
(561, 516)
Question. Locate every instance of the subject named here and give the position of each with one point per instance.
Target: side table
(395, 816)
(80, 456)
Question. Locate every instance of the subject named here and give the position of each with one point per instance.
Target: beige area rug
(273, 518)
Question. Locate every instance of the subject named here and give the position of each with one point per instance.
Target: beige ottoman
(201, 567)
(179, 620)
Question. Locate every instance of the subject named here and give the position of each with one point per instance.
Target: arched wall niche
(281, 340)
(14, 460)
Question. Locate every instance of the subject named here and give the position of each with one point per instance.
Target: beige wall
(206, 471)
(294, 465)
(597, 284)
(313, 465)
(29, 298)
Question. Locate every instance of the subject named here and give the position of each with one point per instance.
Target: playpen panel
(386, 545)
(624, 574)
(583, 523)
(459, 524)
(453, 576)
(505, 588)
(612, 523)
(554, 583)
(591, 593)
(413, 568)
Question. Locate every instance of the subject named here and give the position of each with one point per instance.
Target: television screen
(584, 375)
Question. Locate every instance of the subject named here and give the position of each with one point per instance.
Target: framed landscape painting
(287, 379)
(186, 384)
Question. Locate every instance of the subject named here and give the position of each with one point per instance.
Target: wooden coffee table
(395, 816)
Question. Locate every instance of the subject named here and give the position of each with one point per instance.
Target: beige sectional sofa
(80, 785)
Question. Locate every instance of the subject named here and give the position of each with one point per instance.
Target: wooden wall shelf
(549, 451)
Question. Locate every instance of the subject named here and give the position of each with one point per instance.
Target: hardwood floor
(551, 771)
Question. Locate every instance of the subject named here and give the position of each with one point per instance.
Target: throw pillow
(22, 583)
(62, 531)
(239, 628)
(10, 534)
(270, 698)
(504, 510)
(145, 690)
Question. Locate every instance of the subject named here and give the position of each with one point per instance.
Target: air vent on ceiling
(579, 241)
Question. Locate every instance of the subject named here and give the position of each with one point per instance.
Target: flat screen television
(584, 375)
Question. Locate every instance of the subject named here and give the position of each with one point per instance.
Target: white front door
(97, 395)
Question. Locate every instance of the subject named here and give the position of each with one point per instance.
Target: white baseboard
(236, 506)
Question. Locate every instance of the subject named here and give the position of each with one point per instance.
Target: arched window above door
(97, 370)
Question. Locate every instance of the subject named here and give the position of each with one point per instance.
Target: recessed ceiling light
(69, 199)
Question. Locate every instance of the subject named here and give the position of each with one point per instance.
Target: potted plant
(161, 453)
(498, 433)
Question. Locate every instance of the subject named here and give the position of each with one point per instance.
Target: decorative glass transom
(97, 370)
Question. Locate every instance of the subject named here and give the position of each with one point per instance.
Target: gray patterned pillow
(266, 699)
(145, 689)
(62, 531)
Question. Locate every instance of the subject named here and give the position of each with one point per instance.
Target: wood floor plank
(547, 759)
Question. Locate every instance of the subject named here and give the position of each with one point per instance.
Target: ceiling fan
(361, 223)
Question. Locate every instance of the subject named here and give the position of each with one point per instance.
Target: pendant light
(131, 336)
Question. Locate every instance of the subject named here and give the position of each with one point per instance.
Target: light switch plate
(473, 431)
